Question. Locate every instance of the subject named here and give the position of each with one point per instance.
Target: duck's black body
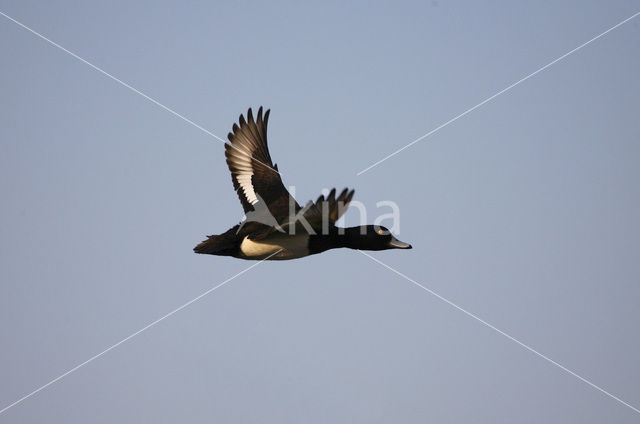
(276, 226)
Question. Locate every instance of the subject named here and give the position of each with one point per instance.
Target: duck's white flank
(296, 246)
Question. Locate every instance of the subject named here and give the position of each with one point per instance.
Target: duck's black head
(373, 237)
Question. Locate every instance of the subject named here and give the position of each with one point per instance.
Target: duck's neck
(351, 237)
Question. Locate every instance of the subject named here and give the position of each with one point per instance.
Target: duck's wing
(327, 210)
(255, 178)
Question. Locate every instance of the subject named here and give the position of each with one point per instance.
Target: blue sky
(523, 212)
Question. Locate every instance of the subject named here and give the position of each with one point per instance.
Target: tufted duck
(275, 222)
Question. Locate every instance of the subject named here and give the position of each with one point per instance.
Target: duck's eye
(380, 232)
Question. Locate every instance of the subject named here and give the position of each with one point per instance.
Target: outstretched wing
(327, 210)
(255, 178)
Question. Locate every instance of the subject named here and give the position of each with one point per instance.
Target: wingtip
(259, 117)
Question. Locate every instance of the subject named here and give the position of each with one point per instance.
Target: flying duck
(276, 226)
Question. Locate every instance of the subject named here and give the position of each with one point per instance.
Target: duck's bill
(399, 244)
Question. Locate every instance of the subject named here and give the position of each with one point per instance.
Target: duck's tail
(223, 244)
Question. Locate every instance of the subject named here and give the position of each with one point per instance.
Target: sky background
(524, 212)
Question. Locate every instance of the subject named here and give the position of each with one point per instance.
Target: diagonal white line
(496, 95)
(124, 84)
(500, 331)
(77, 367)
(119, 81)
